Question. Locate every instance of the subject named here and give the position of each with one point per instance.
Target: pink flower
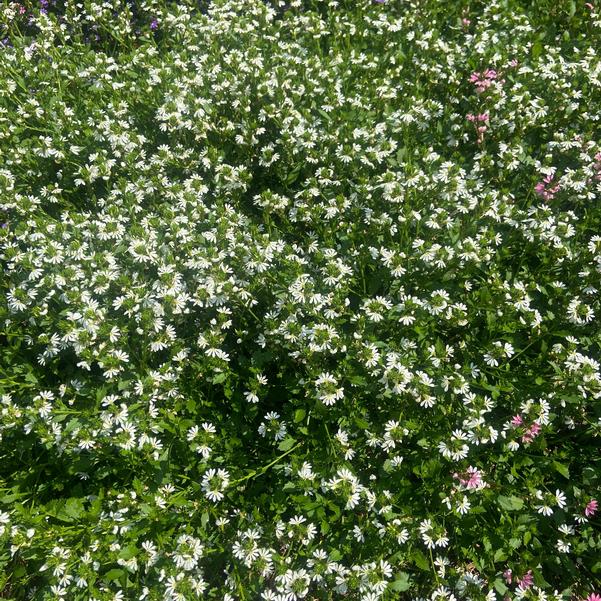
(545, 190)
(465, 22)
(517, 420)
(471, 479)
(594, 597)
(475, 480)
(481, 117)
(526, 582)
(531, 433)
(590, 510)
(483, 80)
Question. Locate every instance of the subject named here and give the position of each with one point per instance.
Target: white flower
(214, 482)
(189, 550)
(566, 529)
(327, 389)
(464, 506)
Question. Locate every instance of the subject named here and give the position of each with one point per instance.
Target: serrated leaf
(361, 423)
(420, 560)
(74, 507)
(402, 583)
(500, 555)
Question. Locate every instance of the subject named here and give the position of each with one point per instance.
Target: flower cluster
(300, 300)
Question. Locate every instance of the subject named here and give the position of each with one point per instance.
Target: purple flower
(154, 25)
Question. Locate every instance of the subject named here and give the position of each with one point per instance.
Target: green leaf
(420, 560)
(10, 498)
(323, 113)
(500, 586)
(500, 555)
(293, 175)
(286, 444)
(74, 507)
(335, 555)
(113, 574)
(402, 583)
(361, 423)
(539, 579)
(511, 503)
(299, 415)
(29, 377)
(562, 469)
(128, 552)
(123, 384)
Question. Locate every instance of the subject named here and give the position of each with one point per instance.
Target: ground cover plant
(300, 300)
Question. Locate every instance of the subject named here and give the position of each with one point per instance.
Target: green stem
(262, 470)
(433, 566)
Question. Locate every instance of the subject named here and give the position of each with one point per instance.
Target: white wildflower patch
(300, 300)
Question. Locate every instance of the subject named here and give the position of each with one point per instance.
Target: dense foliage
(300, 300)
